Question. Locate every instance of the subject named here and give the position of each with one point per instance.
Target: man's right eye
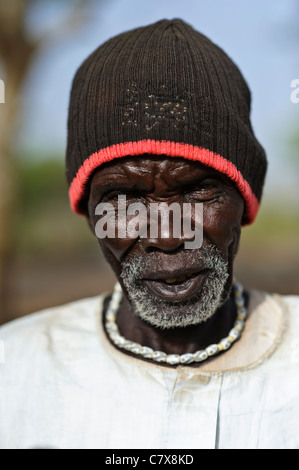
(115, 196)
(111, 195)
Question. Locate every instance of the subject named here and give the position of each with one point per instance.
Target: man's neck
(177, 340)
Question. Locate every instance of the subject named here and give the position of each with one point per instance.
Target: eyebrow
(103, 188)
(192, 179)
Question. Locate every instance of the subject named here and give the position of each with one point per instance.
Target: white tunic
(64, 386)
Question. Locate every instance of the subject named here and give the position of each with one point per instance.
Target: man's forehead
(154, 165)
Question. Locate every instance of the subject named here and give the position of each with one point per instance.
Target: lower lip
(176, 291)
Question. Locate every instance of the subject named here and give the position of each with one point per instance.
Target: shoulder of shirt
(292, 307)
(288, 303)
(67, 315)
(279, 309)
(291, 302)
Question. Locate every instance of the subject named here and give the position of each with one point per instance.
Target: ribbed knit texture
(163, 83)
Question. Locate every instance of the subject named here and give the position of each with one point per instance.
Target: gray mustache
(153, 265)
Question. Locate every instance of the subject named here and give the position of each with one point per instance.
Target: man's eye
(112, 196)
(207, 185)
(204, 191)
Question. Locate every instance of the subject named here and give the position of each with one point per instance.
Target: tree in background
(18, 49)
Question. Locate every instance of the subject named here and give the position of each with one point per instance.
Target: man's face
(167, 284)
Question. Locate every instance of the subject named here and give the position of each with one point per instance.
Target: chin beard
(176, 314)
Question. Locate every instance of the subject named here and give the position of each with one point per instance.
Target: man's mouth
(175, 287)
(177, 279)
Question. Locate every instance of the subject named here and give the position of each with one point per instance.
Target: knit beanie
(163, 89)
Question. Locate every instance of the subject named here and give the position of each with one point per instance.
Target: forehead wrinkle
(176, 171)
(150, 171)
(122, 174)
(139, 175)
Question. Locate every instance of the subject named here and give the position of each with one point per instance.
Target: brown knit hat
(163, 89)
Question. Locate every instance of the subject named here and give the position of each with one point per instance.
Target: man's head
(170, 285)
(161, 113)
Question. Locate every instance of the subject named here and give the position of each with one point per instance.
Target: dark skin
(154, 179)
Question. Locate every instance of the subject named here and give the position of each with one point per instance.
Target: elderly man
(179, 356)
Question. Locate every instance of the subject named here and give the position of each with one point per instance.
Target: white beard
(192, 311)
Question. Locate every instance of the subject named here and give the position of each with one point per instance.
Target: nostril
(151, 249)
(163, 244)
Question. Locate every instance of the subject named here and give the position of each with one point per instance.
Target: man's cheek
(222, 225)
(116, 248)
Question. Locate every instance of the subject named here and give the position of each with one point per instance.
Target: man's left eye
(202, 189)
(115, 195)
(111, 195)
(208, 185)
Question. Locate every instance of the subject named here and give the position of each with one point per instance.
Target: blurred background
(47, 254)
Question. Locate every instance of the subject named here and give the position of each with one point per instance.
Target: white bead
(159, 356)
(114, 335)
(136, 348)
(186, 358)
(239, 325)
(114, 304)
(111, 326)
(147, 352)
(173, 359)
(110, 316)
(117, 288)
(119, 341)
(234, 333)
(132, 345)
(242, 313)
(127, 345)
(117, 295)
(238, 294)
(212, 349)
(238, 288)
(200, 356)
(239, 301)
(115, 301)
(225, 343)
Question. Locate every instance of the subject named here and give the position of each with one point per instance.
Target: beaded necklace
(174, 359)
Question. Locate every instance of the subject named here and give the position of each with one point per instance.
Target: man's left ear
(87, 212)
(89, 223)
(244, 218)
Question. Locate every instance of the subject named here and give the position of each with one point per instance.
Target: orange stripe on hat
(172, 149)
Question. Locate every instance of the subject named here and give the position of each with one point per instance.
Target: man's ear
(90, 224)
(87, 213)
(88, 217)
(244, 216)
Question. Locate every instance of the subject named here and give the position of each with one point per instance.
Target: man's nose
(169, 244)
(170, 233)
(165, 235)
